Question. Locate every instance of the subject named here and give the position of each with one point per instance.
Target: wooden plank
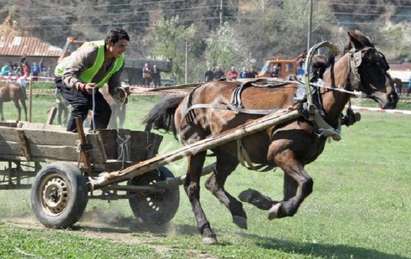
(49, 137)
(41, 126)
(13, 151)
(109, 140)
(11, 124)
(61, 153)
(239, 132)
(51, 115)
(143, 146)
(24, 145)
(10, 150)
(84, 153)
(8, 134)
(98, 153)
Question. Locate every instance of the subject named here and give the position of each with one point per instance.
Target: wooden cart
(62, 162)
(119, 164)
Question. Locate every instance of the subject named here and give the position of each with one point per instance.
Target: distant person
(232, 74)
(147, 74)
(275, 70)
(89, 68)
(24, 75)
(5, 70)
(409, 86)
(251, 73)
(218, 73)
(243, 73)
(300, 72)
(156, 76)
(35, 70)
(209, 75)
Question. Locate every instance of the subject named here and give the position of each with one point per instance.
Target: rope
(123, 148)
(355, 93)
(93, 99)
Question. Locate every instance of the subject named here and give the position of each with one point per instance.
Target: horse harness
(313, 113)
(235, 104)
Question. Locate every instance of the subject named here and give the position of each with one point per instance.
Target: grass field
(360, 207)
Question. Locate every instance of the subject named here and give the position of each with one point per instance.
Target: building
(401, 71)
(14, 48)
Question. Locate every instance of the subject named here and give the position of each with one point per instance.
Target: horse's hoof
(273, 212)
(241, 222)
(209, 240)
(247, 195)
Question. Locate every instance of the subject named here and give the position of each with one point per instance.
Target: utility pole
(186, 64)
(310, 19)
(221, 12)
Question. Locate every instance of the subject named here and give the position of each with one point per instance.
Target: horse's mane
(359, 39)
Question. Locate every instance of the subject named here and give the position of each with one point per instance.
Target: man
(147, 75)
(218, 73)
(86, 70)
(232, 74)
(409, 86)
(209, 75)
(156, 76)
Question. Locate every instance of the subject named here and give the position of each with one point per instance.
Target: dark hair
(116, 35)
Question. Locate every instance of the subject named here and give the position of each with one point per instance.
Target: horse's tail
(161, 116)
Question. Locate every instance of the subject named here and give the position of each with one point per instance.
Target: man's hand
(89, 87)
(86, 88)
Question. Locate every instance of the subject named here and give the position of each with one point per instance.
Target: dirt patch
(118, 229)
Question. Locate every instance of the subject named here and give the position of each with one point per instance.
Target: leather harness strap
(235, 104)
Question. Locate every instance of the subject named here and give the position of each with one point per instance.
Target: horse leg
(1, 111)
(122, 116)
(59, 107)
(192, 188)
(16, 103)
(257, 199)
(297, 185)
(23, 103)
(215, 184)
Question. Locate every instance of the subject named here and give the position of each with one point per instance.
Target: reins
(336, 89)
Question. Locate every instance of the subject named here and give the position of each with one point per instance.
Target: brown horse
(289, 146)
(10, 91)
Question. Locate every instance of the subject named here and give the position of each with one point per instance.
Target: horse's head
(369, 71)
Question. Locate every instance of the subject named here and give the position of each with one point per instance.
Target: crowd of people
(151, 75)
(217, 73)
(21, 71)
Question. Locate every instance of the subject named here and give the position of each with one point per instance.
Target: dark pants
(81, 103)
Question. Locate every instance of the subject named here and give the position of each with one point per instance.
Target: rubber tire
(76, 204)
(167, 202)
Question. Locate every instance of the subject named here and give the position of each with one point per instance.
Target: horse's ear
(354, 42)
(359, 40)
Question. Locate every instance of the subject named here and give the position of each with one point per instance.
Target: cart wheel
(154, 208)
(59, 195)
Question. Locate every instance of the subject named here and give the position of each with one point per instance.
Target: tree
(281, 29)
(168, 39)
(224, 48)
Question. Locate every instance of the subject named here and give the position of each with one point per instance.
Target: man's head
(116, 42)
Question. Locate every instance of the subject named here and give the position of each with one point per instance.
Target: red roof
(402, 66)
(27, 46)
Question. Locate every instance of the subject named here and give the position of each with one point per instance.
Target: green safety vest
(87, 75)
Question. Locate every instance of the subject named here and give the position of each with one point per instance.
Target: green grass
(360, 207)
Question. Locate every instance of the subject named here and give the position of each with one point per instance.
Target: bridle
(355, 81)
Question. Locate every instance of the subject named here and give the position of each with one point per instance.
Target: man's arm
(77, 62)
(115, 81)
